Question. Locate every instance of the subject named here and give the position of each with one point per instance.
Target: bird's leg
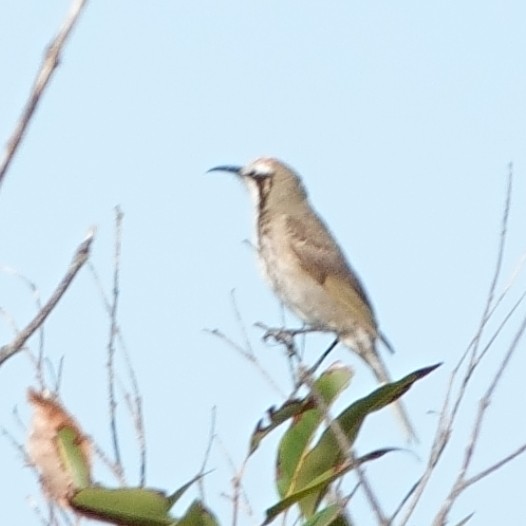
(286, 337)
(326, 353)
(283, 335)
(386, 342)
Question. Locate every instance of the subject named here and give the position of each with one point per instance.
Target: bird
(307, 269)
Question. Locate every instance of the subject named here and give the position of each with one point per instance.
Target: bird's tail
(375, 362)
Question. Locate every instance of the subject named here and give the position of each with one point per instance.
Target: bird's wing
(321, 257)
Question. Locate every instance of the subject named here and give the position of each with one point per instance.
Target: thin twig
(488, 471)
(211, 437)
(49, 64)
(44, 521)
(240, 322)
(134, 405)
(21, 450)
(137, 409)
(476, 361)
(500, 257)
(488, 309)
(460, 484)
(248, 355)
(248, 346)
(35, 292)
(111, 341)
(80, 257)
(115, 471)
(447, 418)
(58, 374)
(239, 492)
(139, 427)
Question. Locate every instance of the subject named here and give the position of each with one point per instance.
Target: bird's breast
(293, 285)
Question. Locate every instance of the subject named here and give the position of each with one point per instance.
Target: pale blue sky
(401, 117)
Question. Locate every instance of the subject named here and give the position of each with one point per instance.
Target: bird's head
(272, 183)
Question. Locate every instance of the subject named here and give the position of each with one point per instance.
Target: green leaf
(130, 506)
(327, 454)
(321, 482)
(290, 409)
(177, 494)
(294, 444)
(73, 459)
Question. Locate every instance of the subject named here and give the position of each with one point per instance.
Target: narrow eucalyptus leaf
(328, 453)
(130, 506)
(296, 441)
(465, 520)
(177, 494)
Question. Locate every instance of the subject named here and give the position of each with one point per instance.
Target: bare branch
(460, 484)
(35, 292)
(447, 415)
(80, 257)
(494, 467)
(49, 64)
(500, 257)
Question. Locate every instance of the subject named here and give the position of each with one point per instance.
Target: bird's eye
(258, 174)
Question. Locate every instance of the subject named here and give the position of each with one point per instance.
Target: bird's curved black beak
(226, 168)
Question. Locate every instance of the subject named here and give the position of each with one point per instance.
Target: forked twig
(249, 355)
(35, 292)
(462, 482)
(447, 415)
(80, 257)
